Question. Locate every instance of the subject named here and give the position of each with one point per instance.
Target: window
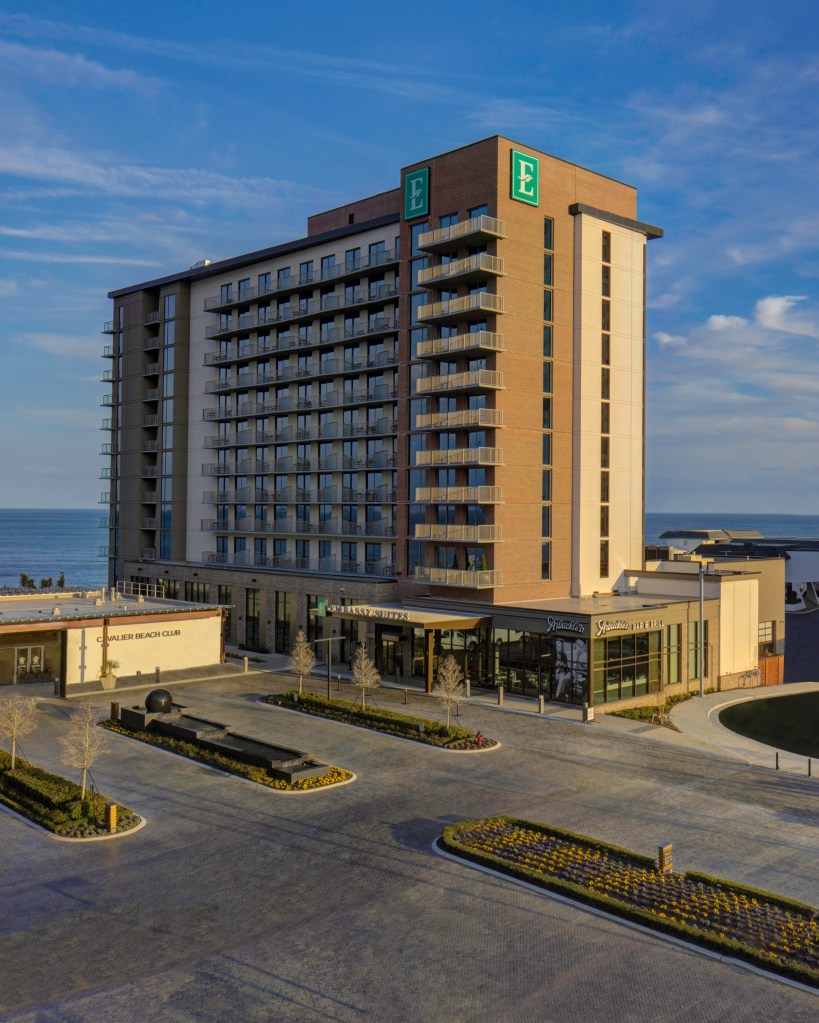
(546, 520)
(606, 283)
(547, 342)
(244, 285)
(305, 272)
(352, 259)
(546, 561)
(226, 293)
(605, 314)
(264, 287)
(548, 233)
(604, 558)
(604, 486)
(327, 264)
(283, 276)
(547, 269)
(169, 307)
(605, 418)
(604, 520)
(378, 253)
(604, 452)
(448, 219)
(546, 486)
(605, 350)
(479, 211)
(547, 377)
(547, 449)
(415, 233)
(605, 383)
(547, 413)
(606, 248)
(547, 305)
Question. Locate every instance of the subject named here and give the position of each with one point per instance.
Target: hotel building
(422, 424)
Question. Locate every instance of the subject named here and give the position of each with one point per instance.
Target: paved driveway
(238, 904)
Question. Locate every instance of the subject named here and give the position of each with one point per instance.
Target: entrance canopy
(397, 614)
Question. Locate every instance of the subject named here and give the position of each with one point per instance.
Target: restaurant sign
(383, 614)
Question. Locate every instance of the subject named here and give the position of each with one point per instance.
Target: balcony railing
(458, 495)
(475, 229)
(292, 282)
(460, 456)
(331, 399)
(245, 496)
(461, 270)
(464, 419)
(152, 369)
(152, 317)
(479, 341)
(108, 352)
(106, 449)
(148, 524)
(107, 424)
(464, 578)
(150, 472)
(465, 534)
(149, 553)
(151, 394)
(108, 327)
(478, 304)
(474, 380)
(149, 497)
(151, 343)
(105, 474)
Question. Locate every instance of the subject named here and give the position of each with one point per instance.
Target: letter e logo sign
(525, 178)
(416, 193)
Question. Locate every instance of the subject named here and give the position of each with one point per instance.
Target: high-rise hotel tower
(437, 392)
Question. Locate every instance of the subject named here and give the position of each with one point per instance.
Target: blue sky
(132, 145)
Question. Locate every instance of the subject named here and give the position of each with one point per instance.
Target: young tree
(302, 658)
(365, 674)
(61, 581)
(84, 742)
(26, 582)
(449, 689)
(17, 717)
(45, 584)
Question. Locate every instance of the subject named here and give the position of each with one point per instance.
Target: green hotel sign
(525, 178)
(416, 193)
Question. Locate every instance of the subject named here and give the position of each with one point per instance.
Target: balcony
(461, 271)
(464, 419)
(105, 474)
(465, 579)
(148, 524)
(474, 306)
(107, 424)
(107, 401)
(151, 394)
(106, 449)
(105, 522)
(149, 422)
(247, 351)
(150, 343)
(150, 472)
(105, 497)
(152, 317)
(152, 369)
(108, 352)
(464, 534)
(461, 344)
(245, 496)
(458, 495)
(460, 456)
(150, 447)
(474, 380)
(246, 438)
(149, 497)
(108, 327)
(474, 231)
(148, 554)
(292, 282)
(104, 552)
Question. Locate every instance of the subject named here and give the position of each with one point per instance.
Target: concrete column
(429, 640)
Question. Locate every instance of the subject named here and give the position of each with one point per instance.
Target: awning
(397, 614)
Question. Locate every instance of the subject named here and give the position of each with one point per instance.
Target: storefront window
(626, 666)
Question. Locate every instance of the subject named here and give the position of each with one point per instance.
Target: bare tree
(365, 674)
(449, 689)
(84, 742)
(302, 658)
(17, 717)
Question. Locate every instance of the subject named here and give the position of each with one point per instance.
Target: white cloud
(65, 346)
(668, 340)
(71, 257)
(70, 69)
(774, 313)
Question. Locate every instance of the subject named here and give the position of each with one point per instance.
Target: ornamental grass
(776, 932)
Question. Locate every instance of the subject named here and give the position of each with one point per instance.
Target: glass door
(28, 663)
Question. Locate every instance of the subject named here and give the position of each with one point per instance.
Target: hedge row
(391, 722)
(227, 764)
(54, 802)
(715, 942)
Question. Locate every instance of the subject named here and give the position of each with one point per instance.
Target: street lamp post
(329, 640)
(700, 637)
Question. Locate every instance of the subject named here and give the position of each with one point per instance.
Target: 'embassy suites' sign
(364, 611)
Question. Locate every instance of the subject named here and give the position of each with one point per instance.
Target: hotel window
(604, 520)
(694, 649)
(547, 377)
(604, 452)
(606, 282)
(548, 233)
(606, 248)
(415, 233)
(605, 349)
(226, 293)
(546, 485)
(264, 283)
(197, 593)
(605, 314)
(284, 609)
(168, 332)
(478, 211)
(605, 417)
(448, 219)
(546, 520)
(547, 268)
(352, 259)
(604, 558)
(546, 560)
(547, 449)
(283, 276)
(169, 307)
(547, 342)
(378, 253)
(604, 486)
(605, 384)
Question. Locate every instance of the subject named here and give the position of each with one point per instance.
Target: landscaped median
(230, 765)
(390, 722)
(56, 804)
(770, 931)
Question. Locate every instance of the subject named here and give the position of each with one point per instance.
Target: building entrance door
(28, 663)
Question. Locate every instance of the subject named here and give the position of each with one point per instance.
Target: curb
(65, 838)
(640, 928)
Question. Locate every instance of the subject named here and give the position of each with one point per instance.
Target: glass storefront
(626, 666)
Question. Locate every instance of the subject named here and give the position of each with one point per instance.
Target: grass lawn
(789, 722)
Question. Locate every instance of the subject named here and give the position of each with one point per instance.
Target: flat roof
(604, 603)
(16, 610)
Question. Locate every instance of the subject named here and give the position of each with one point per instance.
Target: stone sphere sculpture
(159, 701)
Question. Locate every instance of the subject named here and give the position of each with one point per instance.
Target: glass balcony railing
(460, 456)
(474, 230)
(473, 268)
(464, 534)
(465, 579)
(474, 380)
(479, 341)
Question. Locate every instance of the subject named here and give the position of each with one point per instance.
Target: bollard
(777, 760)
(244, 664)
(588, 713)
(338, 683)
(809, 767)
(500, 696)
(420, 727)
(115, 712)
(468, 688)
(664, 858)
(111, 817)
(541, 704)
(406, 696)
(157, 674)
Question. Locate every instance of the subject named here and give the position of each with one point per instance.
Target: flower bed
(390, 722)
(54, 802)
(221, 762)
(771, 931)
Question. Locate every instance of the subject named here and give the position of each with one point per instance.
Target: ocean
(43, 542)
